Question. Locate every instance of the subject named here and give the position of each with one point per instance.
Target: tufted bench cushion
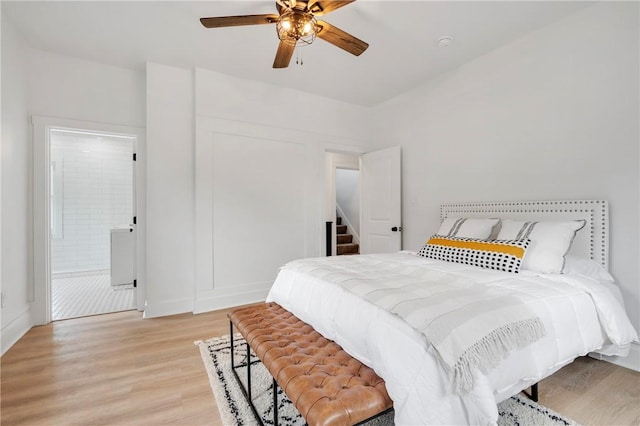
(326, 385)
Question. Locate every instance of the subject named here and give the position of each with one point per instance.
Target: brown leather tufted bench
(326, 385)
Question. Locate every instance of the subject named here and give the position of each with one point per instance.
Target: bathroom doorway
(92, 210)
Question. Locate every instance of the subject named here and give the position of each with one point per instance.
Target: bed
(381, 308)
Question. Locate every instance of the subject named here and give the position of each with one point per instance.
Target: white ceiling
(402, 36)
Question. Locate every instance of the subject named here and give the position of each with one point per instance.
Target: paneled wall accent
(92, 186)
(258, 207)
(254, 212)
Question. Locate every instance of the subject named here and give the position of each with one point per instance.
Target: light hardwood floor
(120, 369)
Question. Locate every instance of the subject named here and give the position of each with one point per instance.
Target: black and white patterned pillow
(501, 255)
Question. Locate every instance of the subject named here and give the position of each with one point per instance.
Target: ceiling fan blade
(283, 55)
(322, 7)
(235, 21)
(343, 40)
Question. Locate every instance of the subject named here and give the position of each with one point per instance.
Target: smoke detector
(444, 41)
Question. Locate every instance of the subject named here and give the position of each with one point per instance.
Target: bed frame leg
(533, 395)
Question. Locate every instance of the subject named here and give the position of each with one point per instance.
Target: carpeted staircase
(345, 244)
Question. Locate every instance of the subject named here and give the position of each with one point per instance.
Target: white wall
(1, 122)
(70, 88)
(46, 84)
(260, 174)
(250, 177)
(16, 189)
(91, 95)
(553, 115)
(170, 190)
(334, 122)
(163, 100)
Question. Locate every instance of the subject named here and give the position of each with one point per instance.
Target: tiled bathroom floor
(88, 295)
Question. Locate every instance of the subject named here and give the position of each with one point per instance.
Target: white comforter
(580, 316)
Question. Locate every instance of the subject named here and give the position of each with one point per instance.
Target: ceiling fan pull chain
(299, 59)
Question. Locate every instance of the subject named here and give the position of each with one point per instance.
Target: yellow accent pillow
(501, 255)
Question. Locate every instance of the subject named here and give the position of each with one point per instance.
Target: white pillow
(574, 265)
(461, 227)
(550, 242)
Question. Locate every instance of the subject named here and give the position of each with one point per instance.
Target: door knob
(396, 229)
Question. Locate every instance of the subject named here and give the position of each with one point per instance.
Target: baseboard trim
(166, 308)
(15, 329)
(631, 361)
(214, 300)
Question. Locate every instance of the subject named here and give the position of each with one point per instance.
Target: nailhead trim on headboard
(596, 213)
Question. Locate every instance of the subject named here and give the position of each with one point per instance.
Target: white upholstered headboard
(591, 242)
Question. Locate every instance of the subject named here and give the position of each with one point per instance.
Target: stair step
(344, 238)
(338, 220)
(350, 248)
(341, 229)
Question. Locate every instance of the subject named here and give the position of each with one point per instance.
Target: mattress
(580, 315)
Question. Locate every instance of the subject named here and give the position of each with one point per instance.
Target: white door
(380, 225)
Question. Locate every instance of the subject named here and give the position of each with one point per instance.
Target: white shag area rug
(234, 409)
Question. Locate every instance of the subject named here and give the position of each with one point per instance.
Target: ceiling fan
(296, 25)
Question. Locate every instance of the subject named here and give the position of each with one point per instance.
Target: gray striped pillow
(550, 242)
(462, 227)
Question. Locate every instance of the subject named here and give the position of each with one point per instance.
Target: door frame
(41, 127)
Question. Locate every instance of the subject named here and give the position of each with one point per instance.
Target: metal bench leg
(245, 392)
(233, 365)
(275, 403)
(249, 374)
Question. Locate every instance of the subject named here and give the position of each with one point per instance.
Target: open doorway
(343, 203)
(91, 205)
(379, 224)
(347, 211)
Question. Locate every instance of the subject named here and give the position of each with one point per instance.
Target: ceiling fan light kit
(296, 25)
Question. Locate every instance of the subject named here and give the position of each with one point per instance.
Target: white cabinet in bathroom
(122, 255)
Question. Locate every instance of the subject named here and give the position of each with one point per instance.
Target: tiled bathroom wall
(92, 191)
